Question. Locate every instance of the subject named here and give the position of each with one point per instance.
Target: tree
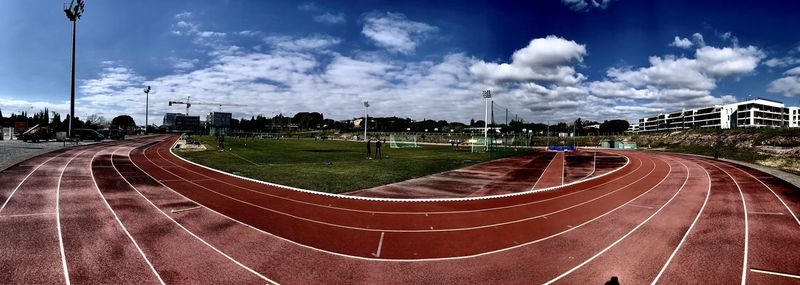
(614, 126)
(2, 123)
(123, 121)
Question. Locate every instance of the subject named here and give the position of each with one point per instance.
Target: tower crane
(188, 104)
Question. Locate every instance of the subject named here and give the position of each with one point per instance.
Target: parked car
(114, 134)
(88, 135)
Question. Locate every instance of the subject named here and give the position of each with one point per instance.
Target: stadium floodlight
(487, 97)
(146, 107)
(74, 12)
(366, 114)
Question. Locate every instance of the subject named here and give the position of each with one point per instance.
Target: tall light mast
(487, 97)
(74, 12)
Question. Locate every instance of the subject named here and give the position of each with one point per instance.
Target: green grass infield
(328, 166)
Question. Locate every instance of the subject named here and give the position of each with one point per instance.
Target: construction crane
(188, 104)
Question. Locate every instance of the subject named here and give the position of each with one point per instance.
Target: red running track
(147, 216)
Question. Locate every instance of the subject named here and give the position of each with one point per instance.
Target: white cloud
(394, 32)
(329, 18)
(681, 42)
(313, 43)
(308, 6)
(183, 15)
(729, 60)
(586, 5)
(697, 38)
(789, 85)
(544, 60)
(782, 61)
(671, 82)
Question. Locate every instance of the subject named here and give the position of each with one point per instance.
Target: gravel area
(13, 152)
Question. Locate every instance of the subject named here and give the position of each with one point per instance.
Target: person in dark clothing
(378, 149)
(221, 143)
(369, 149)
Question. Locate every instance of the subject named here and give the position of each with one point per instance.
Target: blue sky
(544, 59)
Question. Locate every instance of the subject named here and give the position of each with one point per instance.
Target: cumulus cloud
(330, 18)
(681, 42)
(729, 60)
(782, 61)
(789, 85)
(314, 42)
(671, 82)
(547, 59)
(394, 32)
(586, 5)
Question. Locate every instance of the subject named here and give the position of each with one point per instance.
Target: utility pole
(146, 108)
(487, 97)
(366, 114)
(74, 12)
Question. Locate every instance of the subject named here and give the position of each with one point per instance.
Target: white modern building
(757, 113)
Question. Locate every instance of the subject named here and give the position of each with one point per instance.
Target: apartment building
(757, 113)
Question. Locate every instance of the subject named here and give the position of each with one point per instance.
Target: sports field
(328, 166)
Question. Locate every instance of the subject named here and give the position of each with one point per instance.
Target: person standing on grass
(369, 149)
(221, 143)
(378, 149)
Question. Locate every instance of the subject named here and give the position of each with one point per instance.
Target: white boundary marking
(775, 273)
(58, 218)
(746, 223)
(773, 193)
(380, 245)
(627, 234)
(396, 200)
(542, 175)
(685, 235)
(26, 178)
(187, 230)
(119, 222)
(26, 215)
(396, 260)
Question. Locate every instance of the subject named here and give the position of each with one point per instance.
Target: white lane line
(184, 209)
(767, 213)
(124, 229)
(640, 206)
(545, 170)
(187, 230)
(627, 234)
(415, 230)
(58, 219)
(380, 212)
(400, 260)
(746, 224)
(776, 196)
(26, 215)
(245, 159)
(685, 235)
(380, 245)
(26, 178)
(775, 273)
(563, 166)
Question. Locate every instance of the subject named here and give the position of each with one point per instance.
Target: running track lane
(97, 247)
(774, 234)
(30, 235)
(554, 173)
(176, 254)
(638, 257)
(715, 246)
(420, 243)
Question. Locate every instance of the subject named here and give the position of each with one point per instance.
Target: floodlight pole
(146, 108)
(366, 114)
(74, 13)
(487, 97)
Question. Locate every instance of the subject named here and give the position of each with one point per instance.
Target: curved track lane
(131, 212)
